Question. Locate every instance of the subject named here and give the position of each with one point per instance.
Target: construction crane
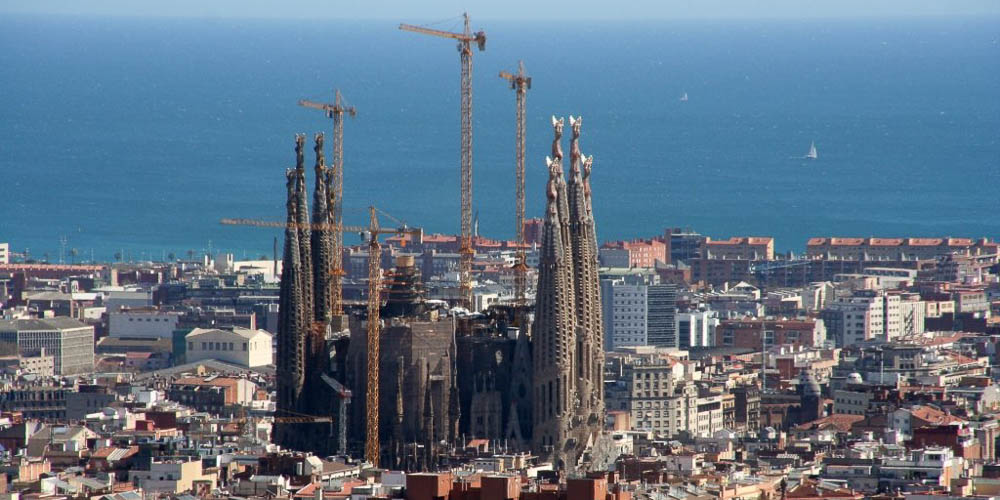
(336, 189)
(373, 230)
(520, 82)
(465, 40)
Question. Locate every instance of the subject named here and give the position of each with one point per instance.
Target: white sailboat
(811, 155)
(684, 97)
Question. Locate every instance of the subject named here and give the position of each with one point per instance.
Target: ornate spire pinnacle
(552, 330)
(568, 336)
(574, 145)
(557, 126)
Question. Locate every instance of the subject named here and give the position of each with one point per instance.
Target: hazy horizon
(522, 10)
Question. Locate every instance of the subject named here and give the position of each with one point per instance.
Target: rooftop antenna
(763, 354)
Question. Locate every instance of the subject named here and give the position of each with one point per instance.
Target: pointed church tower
(305, 234)
(593, 281)
(586, 287)
(291, 318)
(320, 242)
(320, 239)
(552, 334)
(567, 347)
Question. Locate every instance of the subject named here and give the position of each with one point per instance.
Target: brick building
(635, 253)
(746, 333)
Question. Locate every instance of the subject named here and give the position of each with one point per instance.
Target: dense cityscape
(557, 365)
(671, 366)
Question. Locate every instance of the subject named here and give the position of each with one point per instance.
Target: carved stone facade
(417, 392)
(567, 338)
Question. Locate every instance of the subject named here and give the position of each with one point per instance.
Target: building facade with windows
(640, 314)
(239, 346)
(70, 342)
(142, 323)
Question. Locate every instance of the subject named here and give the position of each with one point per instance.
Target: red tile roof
(934, 415)
(840, 422)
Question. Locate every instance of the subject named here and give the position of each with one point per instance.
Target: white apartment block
(628, 321)
(696, 329)
(239, 346)
(639, 314)
(874, 315)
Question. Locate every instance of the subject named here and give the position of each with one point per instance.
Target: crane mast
(465, 40)
(335, 188)
(520, 82)
(374, 303)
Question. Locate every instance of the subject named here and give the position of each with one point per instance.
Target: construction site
(386, 373)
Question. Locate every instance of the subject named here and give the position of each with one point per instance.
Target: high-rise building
(661, 316)
(696, 329)
(568, 354)
(640, 314)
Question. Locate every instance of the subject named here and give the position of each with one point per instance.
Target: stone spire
(292, 322)
(551, 337)
(567, 343)
(586, 284)
(302, 213)
(578, 235)
(319, 239)
(596, 312)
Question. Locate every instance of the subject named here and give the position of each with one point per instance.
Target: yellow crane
(335, 188)
(520, 82)
(465, 40)
(373, 230)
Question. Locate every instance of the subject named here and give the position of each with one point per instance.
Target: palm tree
(190, 254)
(171, 257)
(118, 256)
(73, 252)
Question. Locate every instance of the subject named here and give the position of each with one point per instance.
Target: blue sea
(137, 135)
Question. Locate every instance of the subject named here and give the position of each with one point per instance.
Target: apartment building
(895, 249)
(635, 253)
(738, 248)
(639, 314)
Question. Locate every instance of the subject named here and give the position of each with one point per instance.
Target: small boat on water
(684, 97)
(811, 155)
